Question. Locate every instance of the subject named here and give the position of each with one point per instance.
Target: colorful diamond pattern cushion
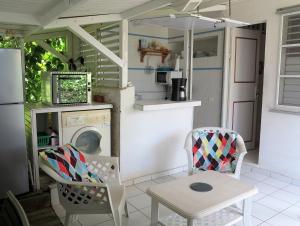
(214, 150)
(69, 163)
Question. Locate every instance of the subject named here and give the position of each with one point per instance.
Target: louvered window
(104, 71)
(289, 78)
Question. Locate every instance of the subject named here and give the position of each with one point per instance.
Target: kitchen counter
(42, 108)
(152, 105)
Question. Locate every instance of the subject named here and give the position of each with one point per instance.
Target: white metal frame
(188, 60)
(241, 148)
(21, 213)
(278, 106)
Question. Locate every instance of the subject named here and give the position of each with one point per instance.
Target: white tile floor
(277, 204)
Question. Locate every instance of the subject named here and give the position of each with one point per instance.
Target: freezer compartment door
(13, 155)
(11, 76)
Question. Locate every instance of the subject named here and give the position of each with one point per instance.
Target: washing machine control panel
(76, 121)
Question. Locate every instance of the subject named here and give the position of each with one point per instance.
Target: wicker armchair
(216, 141)
(92, 198)
(12, 213)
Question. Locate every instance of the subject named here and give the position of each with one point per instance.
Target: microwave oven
(66, 88)
(165, 77)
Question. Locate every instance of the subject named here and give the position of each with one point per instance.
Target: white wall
(151, 141)
(145, 85)
(280, 132)
(208, 82)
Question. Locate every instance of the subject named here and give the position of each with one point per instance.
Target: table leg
(191, 222)
(247, 207)
(154, 212)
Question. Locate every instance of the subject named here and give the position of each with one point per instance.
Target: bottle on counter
(53, 137)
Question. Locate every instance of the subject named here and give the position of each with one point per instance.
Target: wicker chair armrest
(74, 197)
(50, 172)
(107, 168)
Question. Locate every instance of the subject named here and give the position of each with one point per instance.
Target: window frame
(278, 106)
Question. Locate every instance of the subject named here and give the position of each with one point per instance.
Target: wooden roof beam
(65, 22)
(85, 36)
(145, 8)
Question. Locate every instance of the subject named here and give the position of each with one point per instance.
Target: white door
(243, 79)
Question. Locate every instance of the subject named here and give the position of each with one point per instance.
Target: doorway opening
(245, 86)
(253, 155)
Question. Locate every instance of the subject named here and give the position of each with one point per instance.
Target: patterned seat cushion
(214, 150)
(69, 163)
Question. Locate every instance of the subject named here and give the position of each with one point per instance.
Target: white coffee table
(199, 208)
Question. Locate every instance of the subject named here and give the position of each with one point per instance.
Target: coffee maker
(178, 89)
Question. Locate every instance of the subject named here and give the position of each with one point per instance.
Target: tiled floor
(277, 204)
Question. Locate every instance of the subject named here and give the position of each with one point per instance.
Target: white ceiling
(86, 7)
(26, 6)
(23, 14)
(43, 12)
(94, 7)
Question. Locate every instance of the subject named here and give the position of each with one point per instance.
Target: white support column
(85, 36)
(48, 48)
(186, 53)
(124, 53)
(188, 60)
(190, 79)
(226, 77)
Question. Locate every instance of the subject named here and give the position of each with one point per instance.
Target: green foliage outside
(37, 61)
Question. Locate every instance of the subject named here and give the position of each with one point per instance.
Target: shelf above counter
(154, 105)
(153, 52)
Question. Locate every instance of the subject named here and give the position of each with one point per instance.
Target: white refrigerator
(13, 154)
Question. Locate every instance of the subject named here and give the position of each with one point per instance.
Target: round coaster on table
(201, 187)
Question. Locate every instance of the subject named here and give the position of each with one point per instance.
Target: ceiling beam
(52, 14)
(145, 8)
(50, 49)
(56, 11)
(18, 18)
(65, 22)
(85, 36)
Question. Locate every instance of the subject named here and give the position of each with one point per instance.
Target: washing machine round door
(88, 140)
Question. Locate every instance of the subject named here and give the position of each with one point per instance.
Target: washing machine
(89, 131)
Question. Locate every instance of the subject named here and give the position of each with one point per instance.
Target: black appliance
(178, 89)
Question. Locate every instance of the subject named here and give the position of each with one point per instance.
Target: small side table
(199, 208)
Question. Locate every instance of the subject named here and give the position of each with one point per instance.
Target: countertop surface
(152, 105)
(40, 108)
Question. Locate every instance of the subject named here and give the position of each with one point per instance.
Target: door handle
(257, 95)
